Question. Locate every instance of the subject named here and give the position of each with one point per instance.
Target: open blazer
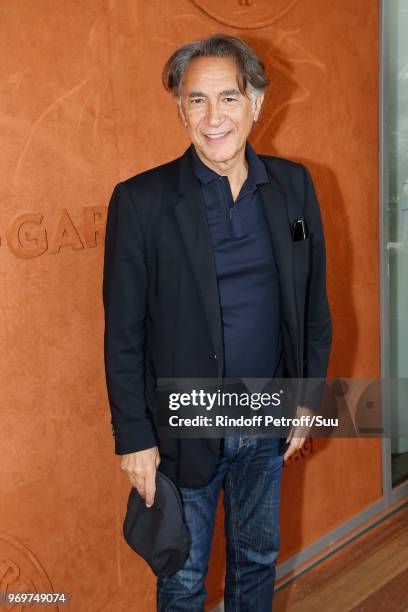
(162, 310)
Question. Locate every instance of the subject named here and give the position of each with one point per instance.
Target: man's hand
(298, 435)
(141, 468)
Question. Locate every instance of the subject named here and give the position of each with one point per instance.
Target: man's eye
(197, 100)
(230, 99)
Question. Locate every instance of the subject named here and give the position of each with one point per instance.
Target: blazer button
(214, 356)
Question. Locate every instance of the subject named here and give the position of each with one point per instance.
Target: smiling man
(219, 116)
(214, 268)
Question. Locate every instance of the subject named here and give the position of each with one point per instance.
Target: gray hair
(251, 71)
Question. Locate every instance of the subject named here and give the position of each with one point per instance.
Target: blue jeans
(250, 470)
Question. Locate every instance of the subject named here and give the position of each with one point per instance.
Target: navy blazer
(161, 302)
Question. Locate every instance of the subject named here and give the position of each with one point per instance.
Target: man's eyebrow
(230, 92)
(196, 94)
(225, 92)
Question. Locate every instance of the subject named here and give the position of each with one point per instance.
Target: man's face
(219, 118)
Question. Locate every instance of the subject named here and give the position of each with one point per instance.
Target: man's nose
(214, 114)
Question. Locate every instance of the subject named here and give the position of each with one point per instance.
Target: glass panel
(397, 97)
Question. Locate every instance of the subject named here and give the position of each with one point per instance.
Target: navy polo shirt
(246, 270)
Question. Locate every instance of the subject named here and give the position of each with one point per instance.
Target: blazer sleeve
(318, 322)
(124, 300)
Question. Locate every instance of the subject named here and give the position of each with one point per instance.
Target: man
(205, 278)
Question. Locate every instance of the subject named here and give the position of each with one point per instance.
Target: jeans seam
(236, 546)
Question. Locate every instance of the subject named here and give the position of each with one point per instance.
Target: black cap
(159, 533)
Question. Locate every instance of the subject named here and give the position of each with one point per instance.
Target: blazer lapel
(191, 219)
(277, 215)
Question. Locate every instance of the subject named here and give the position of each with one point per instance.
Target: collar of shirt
(257, 173)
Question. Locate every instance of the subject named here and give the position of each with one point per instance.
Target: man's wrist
(131, 438)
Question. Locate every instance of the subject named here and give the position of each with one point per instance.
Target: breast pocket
(301, 260)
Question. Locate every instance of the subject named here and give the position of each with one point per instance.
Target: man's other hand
(141, 468)
(298, 435)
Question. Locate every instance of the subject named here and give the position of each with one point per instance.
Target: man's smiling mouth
(217, 136)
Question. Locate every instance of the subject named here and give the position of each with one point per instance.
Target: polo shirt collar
(257, 173)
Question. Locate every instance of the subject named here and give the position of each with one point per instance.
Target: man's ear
(180, 113)
(258, 101)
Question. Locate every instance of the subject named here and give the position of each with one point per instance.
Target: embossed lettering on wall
(21, 571)
(246, 14)
(31, 234)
